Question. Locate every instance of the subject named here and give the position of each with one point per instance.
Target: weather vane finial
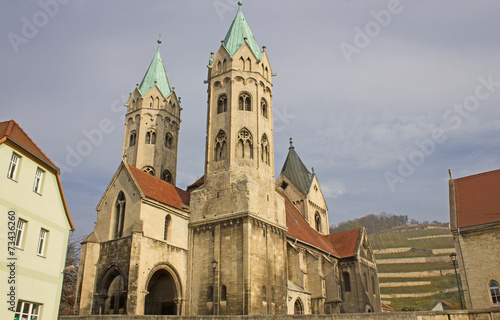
(291, 142)
(159, 38)
(240, 3)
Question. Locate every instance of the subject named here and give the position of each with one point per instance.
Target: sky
(380, 97)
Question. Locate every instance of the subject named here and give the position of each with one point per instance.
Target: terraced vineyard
(414, 266)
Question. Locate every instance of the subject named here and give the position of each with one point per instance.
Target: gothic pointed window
(220, 146)
(119, 216)
(133, 136)
(317, 220)
(242, 61)
(168, 140)
(166, 176)
(244, 148)
(244, 102)
(224, 65)
(298, 308)
(264, 150)
(222, 104)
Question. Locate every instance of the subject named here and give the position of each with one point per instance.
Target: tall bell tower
(152, 124)
(237, 224)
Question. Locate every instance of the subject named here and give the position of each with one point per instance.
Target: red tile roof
(342, 244)
(345, 242)
(197, 184)
(160, 190)
(477, 199)
(12, 131)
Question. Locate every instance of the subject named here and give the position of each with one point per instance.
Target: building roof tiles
(477, 199)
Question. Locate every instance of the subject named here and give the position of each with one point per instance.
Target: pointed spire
(238, 34)
(296, 171)
(156, 75)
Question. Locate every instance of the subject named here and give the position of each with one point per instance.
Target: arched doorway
(298, 307)
(163, 294)
(111, 297)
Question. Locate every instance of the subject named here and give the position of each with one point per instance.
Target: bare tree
(68, 293)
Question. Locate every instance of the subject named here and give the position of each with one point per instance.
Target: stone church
(237, 241)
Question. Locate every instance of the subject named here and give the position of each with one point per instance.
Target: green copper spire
(156, 74)
(237, 33)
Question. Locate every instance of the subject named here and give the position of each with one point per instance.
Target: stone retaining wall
(417, 274)
(416, 295)
(404, 284)
(431, 237)
(489, 314)
(414, 260)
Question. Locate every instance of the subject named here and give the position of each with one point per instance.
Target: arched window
(157, 102)
(347, 281)
(264, 147)
(263, 108)
(219, 67)
(220, 146)
(298, 308)
(242, 61)
(244, 148)
(210, 294)
(119, 215)
(272, 294)
(167, 225)
(317, 220)
(166, 176)
(150, 102)
(248, 65)
(264, 293)
(224, 65)
(244, 102)
(168, 140)
(267, 73)
(149, 170)
(223, 293)
(150, 137)
(494, 292)
(222, 104)
(133, 136)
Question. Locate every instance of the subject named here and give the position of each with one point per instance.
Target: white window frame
(42, 241)
(37, 186)
(20, 226)
(32, 313)
(14, 165)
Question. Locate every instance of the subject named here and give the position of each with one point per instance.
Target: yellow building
(35, 228)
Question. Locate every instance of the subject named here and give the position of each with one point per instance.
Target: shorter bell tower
(152, 124)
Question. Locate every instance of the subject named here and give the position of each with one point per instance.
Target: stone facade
(240, 242)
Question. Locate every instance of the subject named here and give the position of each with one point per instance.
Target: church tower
(237, 223)
(152, 124)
